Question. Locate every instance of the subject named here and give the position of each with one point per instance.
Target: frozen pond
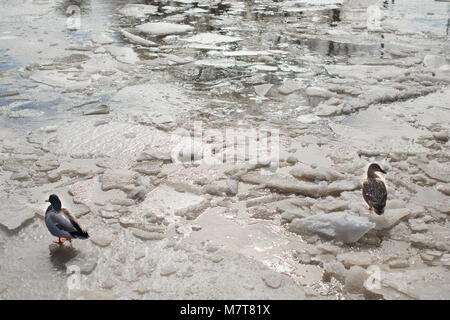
(216, 149)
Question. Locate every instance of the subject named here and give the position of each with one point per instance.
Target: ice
(355, 280)
(137, 10)
(334, 269)
(399, 263)
(137, 40)
(144, 235)
(102, 38)
(319, 92)
(350, 259)
(118, 179)
(14, 215)
(272, 280)
(434, 62)
(437, 171)
(341, 226)
(421, 283)
(444, 188)
(168, 270)
(340, 96)
(163, 28)
(286, 185)
(390, 218)
(331, 205)
(244, 53)
(55, 79)
(149, 168)
(212, 38)
(289, 87)
(149, 154)
(123, 54)
(20, 176)
(263, 67)
(315, 174)
(101, 240)
(27, 113)
(103, 109)
(262, 89)
(219, 63)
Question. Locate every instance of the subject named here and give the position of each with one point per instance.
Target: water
(279, 75)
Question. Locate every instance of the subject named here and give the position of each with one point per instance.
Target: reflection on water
(333, 48)
(60, 255)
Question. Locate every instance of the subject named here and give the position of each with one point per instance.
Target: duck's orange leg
(59, 241)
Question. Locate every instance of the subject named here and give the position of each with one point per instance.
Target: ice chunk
(138, 40)
(422, 284)
(289, 87)
(167, 270)
(118, 179)
(102, 38)
(123, 54)
(145, 235)
(433, 61)
(286, 184)
(102, 240)
(13, 215)
(334, 269)
(272, 280)
(212, 38)
(391, 218)
(137, 10)
(246, 53)
(354, 282)
(315, 174)
(340, 226)
(262, 89)
(103, 109)
(319, 92)
(164, 28)
(355, 258)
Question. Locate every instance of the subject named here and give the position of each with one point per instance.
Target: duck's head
(54, 201)
(374, 167)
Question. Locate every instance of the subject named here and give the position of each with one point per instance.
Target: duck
(374, 191)
(61, 223)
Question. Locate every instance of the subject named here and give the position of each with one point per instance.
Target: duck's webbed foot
(60, 242)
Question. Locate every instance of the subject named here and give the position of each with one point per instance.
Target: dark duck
(61, 223)
(374, 190)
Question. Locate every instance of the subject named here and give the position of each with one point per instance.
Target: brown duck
(374, 190)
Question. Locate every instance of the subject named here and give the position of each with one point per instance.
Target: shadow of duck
(61, 255)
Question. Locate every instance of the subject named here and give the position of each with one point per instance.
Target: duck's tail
(80, 235)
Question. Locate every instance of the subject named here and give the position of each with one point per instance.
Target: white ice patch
(164, 28)
(340, 226)
(212, 38)
(123, 54)
(137, 10)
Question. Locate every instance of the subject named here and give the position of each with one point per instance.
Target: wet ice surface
(95, 113)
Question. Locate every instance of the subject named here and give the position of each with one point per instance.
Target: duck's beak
(47, 200)
(382, 171)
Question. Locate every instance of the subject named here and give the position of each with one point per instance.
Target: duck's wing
(366, 192)
(72, 220)
(61, 222)
(374, 191)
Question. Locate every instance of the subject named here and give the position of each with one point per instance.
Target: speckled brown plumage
(374, 190)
